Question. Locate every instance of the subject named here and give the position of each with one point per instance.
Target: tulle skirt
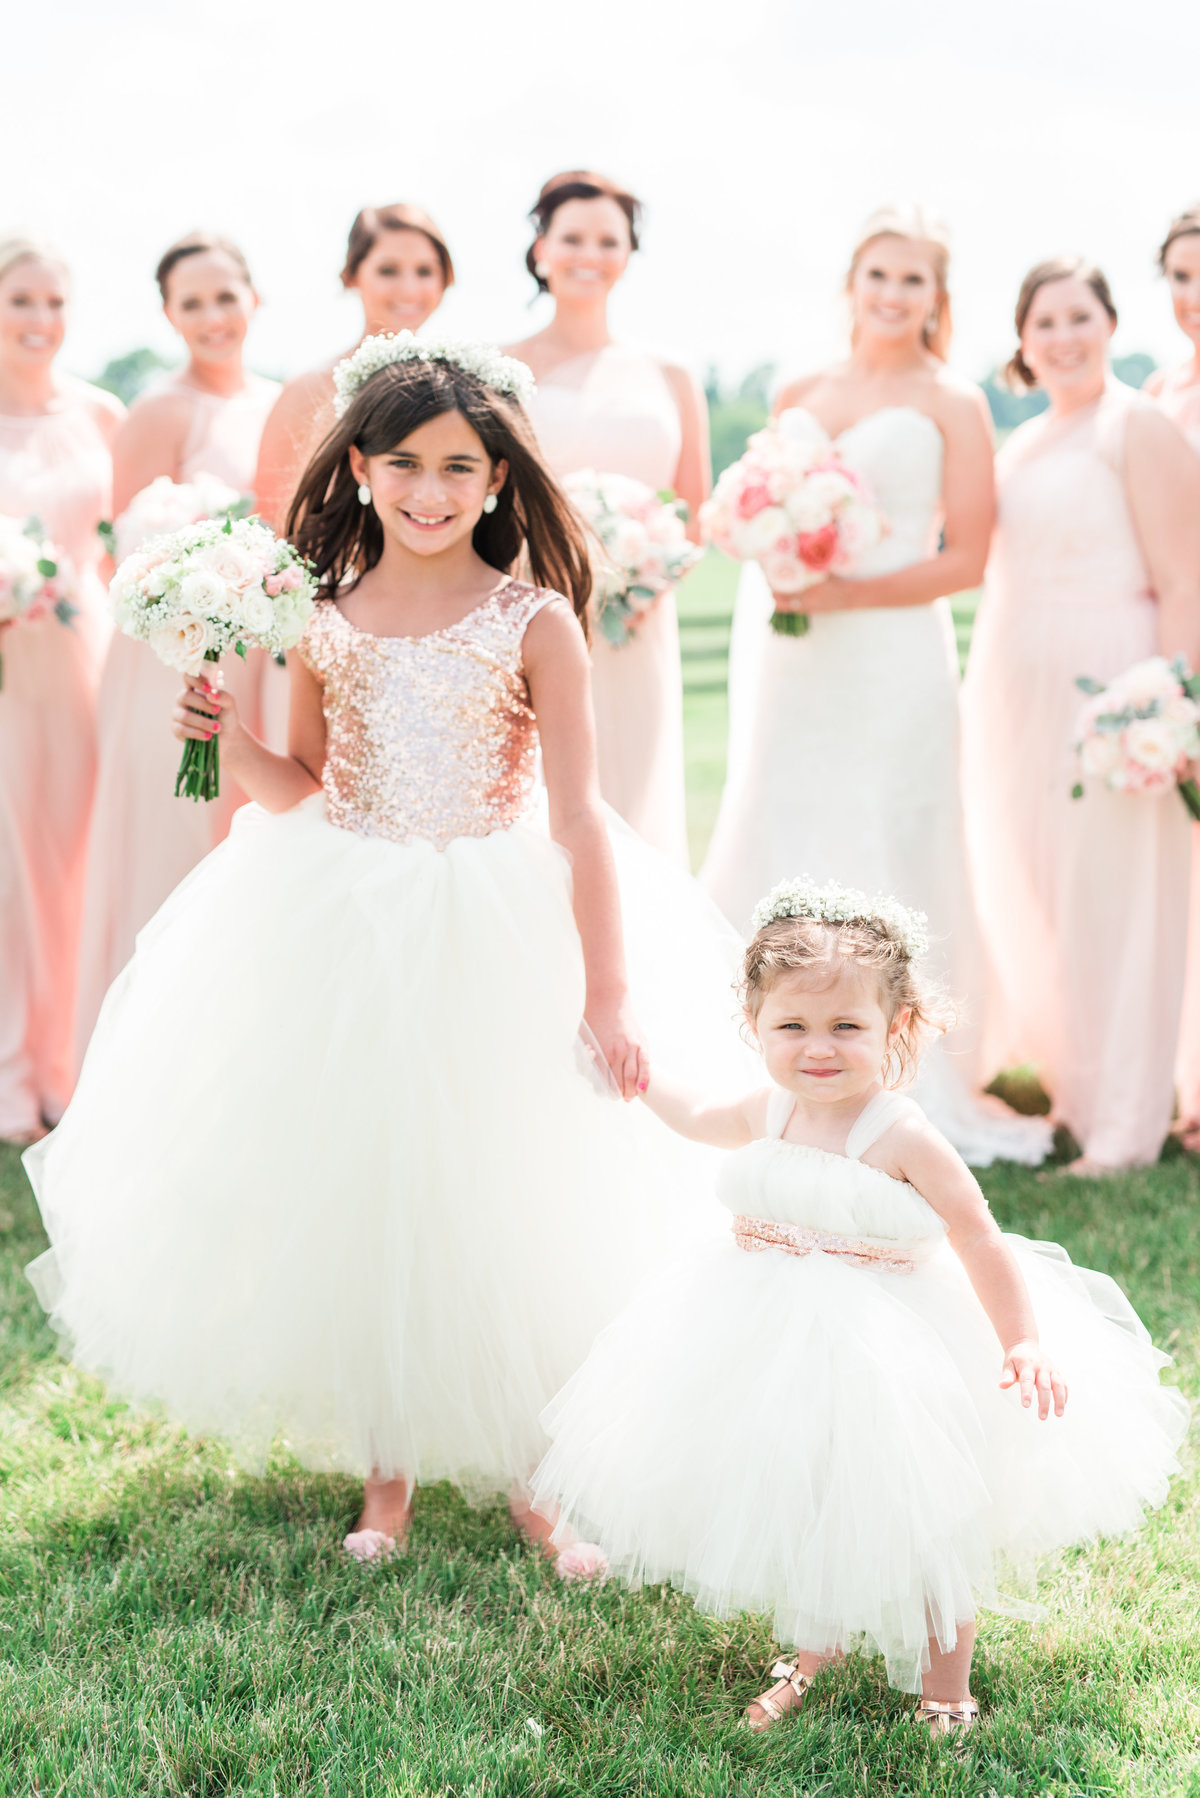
(333, 1172)
(829, 1445)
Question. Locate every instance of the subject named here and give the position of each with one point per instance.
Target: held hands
(203, 711)
(1028, 1366)
(615, 1029)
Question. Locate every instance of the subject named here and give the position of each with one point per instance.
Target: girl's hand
(1028, 1366)
(622, 1045)
(203, 711)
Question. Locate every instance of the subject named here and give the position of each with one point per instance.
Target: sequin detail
(428, 737)
(754, 1234)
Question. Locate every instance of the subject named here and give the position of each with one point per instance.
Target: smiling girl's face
(400, 281)
(429, 490)
(585, 248)
(33, 312)
(210, 303)
(825, 1040)
(1065, 337)
(893, 289)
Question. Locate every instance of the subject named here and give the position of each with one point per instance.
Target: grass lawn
(168, 1626)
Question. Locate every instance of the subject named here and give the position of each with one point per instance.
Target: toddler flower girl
(848, 1412)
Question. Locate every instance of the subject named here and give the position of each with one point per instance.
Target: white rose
(754, 536)
(807, 508)
(1151, 743)
(181, 644)
(1145, 682)
(234, 567)
(204, 592)
(1100, 754)
(630, 543)
(255, 612)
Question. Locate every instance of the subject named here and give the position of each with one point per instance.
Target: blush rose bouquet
(208, 588)
(796, 509)
(35, 579)
(1139, 733)
(645, 548)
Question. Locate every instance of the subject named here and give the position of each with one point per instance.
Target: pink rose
(752, 499)
(817, 549)
(784, 570)
(274, 585)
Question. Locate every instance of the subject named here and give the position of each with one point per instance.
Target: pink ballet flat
(582, 1561)
(369, 1545)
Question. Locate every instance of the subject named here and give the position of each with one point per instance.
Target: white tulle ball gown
(332, 1172)
(820, 1435)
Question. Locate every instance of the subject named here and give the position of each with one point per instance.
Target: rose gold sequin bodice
(428, 737)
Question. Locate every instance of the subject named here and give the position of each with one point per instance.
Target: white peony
(755, 536)
(1151, 743)
(1100, 754)
(182, 644)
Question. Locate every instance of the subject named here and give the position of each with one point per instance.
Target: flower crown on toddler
(832, 904)
(503, 374)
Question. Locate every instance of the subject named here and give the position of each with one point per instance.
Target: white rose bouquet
(34, 578)
(796, 509)
(206, 589)
(166, 505)
(1139, 733)
(646, 549)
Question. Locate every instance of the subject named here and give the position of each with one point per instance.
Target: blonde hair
(1184, 224)
(811, 946)
(915, 225)
(26, 249)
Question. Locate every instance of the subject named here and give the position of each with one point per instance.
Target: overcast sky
(759, 133)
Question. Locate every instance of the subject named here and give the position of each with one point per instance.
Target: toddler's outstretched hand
(1028, 1366)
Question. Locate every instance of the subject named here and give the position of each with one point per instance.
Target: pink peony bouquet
(34, 578)
(166, 505)
(206, 589)
(1139, 733)
(796, 509)
(645, 547)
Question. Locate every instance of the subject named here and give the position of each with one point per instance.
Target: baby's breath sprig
(833, 904)
(503, 374)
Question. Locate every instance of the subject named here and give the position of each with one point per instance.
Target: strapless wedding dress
(844, 764)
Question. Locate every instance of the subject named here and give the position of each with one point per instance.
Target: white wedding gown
(844, 765)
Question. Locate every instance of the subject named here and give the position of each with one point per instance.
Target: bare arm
(969, 507)
(1162, 481)
(693, 473)
(730, 1124)
(276, 782)
(149, 443)
(295, 425)
(918, 1153)
(556, 667)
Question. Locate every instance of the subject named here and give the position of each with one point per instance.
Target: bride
(843, 745)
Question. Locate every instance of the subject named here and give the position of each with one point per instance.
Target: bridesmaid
(55, 461)
(844, 744)
(207, 419)
(398, 263)
(607, 406)
(1095, 565)
(1178, 393)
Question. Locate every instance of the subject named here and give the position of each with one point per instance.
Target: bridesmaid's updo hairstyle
(1184, 224)
(198, 243)
(578, 184)
(1017, 372)
(915, 225)
(534, 532)
(373, 221)
(821, 950)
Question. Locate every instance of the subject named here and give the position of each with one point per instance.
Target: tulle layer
(333, 1171)
(829, 1445)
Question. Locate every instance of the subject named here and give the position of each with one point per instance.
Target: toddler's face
(825, 1040)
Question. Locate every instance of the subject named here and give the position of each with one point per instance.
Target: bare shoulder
(105, 408)
(303, 393)
(168, 410)
(680, 380)
(554, 628)
(1149, 428)
(913, 1149)
(799, 390)
(957, 404)
(754, 1109)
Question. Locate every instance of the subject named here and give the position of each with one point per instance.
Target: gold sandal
(947, 1719)
(785, 1677)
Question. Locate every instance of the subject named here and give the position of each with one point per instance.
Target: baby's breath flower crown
(832, 904)
(503, 374)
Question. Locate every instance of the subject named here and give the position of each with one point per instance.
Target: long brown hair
(372, 221)
(578, 184)
(534, 526)
(1017, 371)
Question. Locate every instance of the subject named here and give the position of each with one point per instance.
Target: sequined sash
(754, 1234)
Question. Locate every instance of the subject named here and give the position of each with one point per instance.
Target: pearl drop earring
(364, 494)
(541, 270)
(490, 503)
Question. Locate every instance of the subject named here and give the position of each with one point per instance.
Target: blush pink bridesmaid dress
(1182, 403)
(56, 465)
(143, 840)
(1083, 902)
(614, 411)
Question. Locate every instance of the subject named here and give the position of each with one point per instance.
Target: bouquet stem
(790, 624)
(199, 775)
(1189, 792)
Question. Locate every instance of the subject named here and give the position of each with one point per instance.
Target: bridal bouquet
(167, 505)
(1138, 733)
(34, 578)
(205, 589)
(646, 549)
(797, 510)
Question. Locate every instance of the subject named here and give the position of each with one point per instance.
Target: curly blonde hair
(811, 946)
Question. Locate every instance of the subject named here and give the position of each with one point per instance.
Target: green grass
(168, 1626)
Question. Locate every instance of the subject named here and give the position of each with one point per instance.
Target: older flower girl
(805, 1418)
(332, 1170)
